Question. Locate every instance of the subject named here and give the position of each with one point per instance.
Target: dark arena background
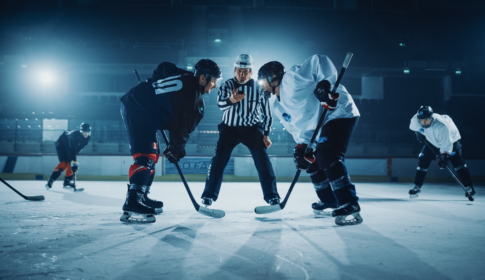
(68, 62)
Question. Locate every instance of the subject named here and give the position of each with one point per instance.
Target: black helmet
(272, 70)
(425, 112)
(208, 68)
(85, 127)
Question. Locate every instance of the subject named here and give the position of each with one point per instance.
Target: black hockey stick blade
(267, 209)
(36, 197)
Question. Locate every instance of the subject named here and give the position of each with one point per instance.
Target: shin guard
(322, 187)
(342, 188)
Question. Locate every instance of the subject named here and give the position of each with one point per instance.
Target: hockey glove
(324, 94)
(74, 166)
(173, 158)
(302, 160)
(444, 158)
(421, 138)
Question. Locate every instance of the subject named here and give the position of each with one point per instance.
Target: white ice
(439, 235)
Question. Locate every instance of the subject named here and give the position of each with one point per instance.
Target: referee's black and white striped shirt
(253, 109)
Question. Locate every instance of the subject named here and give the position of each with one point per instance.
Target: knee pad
(143, 162)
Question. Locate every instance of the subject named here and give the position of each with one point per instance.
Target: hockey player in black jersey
(171, 100)
(69, 144)
(247, 120)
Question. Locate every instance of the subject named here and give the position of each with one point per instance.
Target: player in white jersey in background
(443, 135)
(302, 93)
(247, 120)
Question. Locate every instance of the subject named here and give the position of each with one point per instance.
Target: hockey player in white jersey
(302, 94)
(443, 135)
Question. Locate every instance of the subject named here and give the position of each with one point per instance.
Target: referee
(247, 119)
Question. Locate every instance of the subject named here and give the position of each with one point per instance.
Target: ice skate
(206, 201)
(414, 192)
(70, 186)
(134, 209)
(347, 210)
(48, 186)
(155, 204)
(319, 207)
(470, 191)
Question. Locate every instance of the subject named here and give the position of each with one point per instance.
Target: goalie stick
(203, 210)
(451, 172)
(36, 197)
(281, 206)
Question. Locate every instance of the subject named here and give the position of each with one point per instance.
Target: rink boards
(112, 167)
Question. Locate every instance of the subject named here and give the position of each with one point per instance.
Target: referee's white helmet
(244, 61)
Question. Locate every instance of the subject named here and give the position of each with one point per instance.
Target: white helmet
(244, 61)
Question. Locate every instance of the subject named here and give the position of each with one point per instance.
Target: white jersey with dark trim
(298, 108)
(442, 133)
(251, 110)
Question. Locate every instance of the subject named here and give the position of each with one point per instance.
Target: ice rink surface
(439, 235)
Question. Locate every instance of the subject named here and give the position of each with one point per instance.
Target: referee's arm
(224, 97)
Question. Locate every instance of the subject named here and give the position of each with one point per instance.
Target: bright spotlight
(46, 78)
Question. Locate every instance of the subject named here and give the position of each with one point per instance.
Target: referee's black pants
(229, 138)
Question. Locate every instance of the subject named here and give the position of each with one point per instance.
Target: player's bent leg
(157, 205)
(345, 193)
(424, 161)
(56, 173)
(323, 190)
(141, 173)
(464, 173)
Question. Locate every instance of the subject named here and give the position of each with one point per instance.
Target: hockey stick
(451, 172)
(74, 184)
(281, 206)
(37, 197)
(203, 210)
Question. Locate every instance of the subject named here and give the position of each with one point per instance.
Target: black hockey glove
(324, 94)
(302, 160)
(443, 161)
(173, 158)
(74, 166)
(421, 138)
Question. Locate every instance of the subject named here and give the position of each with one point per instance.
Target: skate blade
(414, 195)
(127, 217)
(267, 209)
(322, 213)
(215, 213)
(342, 220)
(79, 190)
(158, 211)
